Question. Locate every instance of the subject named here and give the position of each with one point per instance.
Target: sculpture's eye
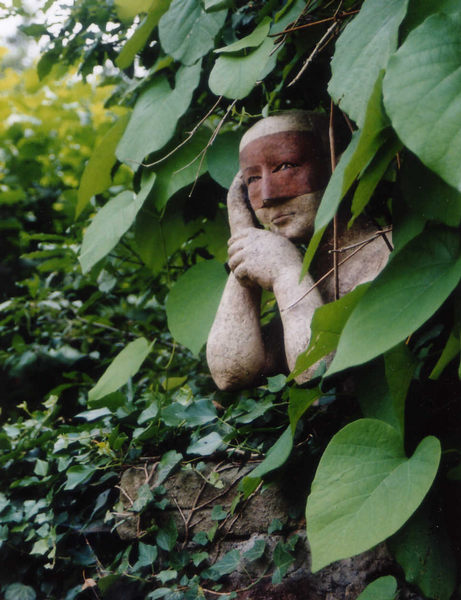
(252, 179)
(283, 166)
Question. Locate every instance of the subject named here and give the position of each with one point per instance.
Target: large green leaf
(193, 301)
(154, 117)
(428, 196)
(419, 10)
(110, 223)
(409, 290)
(139, 38)
(97, 174)
(362, 50)
(223, 157)
(253, 40)
(125, 365)
(365, 489)
(180, 169)
(424, 552)
(384, 588)
(326, 327)
(234, 76)
(187, 31)
(354, 160)
(383, 385)
(423, 74)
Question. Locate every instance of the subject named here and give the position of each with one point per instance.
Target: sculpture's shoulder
(358, 261)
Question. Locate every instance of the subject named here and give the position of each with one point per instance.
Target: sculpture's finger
(240, 216)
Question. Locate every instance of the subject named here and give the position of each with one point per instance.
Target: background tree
(92, 377)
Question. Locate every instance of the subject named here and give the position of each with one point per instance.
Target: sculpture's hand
(240, 217)
(259, 257)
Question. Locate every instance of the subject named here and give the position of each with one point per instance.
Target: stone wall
(192, 498)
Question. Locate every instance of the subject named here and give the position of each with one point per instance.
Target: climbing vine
(117, 152)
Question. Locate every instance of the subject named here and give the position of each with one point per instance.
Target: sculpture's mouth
(281, 217)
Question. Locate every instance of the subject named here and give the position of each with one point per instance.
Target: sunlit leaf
(187, 31)
(97, 174)
(352, 505)
(125, 365)
(235, 76)
(139, 38)
(110, 223)
(156, 112)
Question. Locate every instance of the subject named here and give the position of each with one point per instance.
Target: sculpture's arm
(274, 263)
(235, 349)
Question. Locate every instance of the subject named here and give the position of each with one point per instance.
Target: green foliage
(141, 154)
(384, 588)
(368, 458)
(196, 294)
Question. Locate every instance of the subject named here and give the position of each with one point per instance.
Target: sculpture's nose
(271, 190)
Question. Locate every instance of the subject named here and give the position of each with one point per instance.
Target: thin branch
(370, 239)
(331, 137)
(328, 273)
(191, 134)
(343, 15)
(315, 51)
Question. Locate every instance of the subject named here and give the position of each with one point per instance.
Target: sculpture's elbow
(229, 374)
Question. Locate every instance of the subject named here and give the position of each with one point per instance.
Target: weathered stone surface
(191, 502)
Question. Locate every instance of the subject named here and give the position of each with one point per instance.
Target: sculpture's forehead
(283, 145)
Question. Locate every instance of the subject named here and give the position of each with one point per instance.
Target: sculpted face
(285, 176)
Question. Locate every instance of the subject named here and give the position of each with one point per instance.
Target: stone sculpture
(284, 169)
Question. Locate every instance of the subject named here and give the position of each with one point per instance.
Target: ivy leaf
(383, 588)
(77, 475)
(256, 551)
(156, 112)
(352, 505)
(187, 31)
(167, 536)
(206, 445)
(139, 38)
(235, 76)
(362, 50)
(147, 555)
(326, 327)
(425, 72)
(97, 174)
(167, 463)
(193, 301)
(423, 549)
(125, 365)
(253, 40)
(228, 563)
(110, 223)
(409, 290)
(18, 591)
